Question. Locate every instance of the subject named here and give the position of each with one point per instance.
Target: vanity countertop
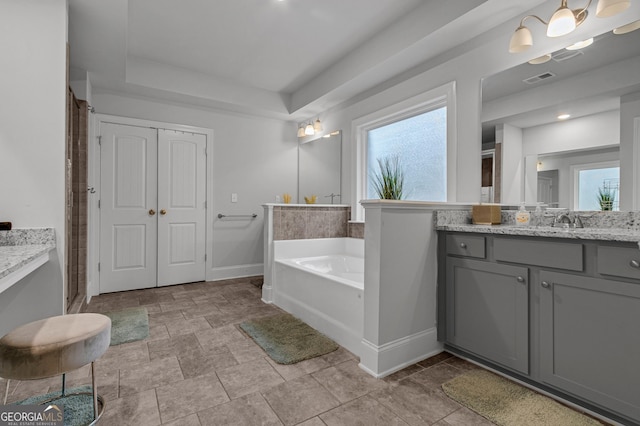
(22, 251)
(603, 234)
(12, 258)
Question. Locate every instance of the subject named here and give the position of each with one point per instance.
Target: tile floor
(198, 368)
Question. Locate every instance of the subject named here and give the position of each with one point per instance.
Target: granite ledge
(28, 236)
(14, 258)
(23, 250)
(601, 234)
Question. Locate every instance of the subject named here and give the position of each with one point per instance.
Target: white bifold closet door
(152, 208)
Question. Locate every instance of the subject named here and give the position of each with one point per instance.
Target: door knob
(152, 212)
(520, 279)
(545, 284)
(163, 212)
(634, 264)
(463, 245)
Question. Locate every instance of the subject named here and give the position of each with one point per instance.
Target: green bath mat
(77, 409)
(506, 403)
(128, 325)
(288, 340)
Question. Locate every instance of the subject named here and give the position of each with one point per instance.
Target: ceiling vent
(538, 78)
(563, 55)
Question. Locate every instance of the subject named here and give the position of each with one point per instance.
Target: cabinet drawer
(550, 254)
(466, 245)
(619, 261)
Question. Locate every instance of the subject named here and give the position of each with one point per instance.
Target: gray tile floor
(198, 368)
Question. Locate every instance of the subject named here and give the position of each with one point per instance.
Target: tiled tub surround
(304, 221)
(299, 222)
(604, 226)
(19, 248)
(356, 229)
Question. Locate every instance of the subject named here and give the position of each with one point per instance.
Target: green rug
(506, 403)
(128, 325)
(78, 409)
(288, 340)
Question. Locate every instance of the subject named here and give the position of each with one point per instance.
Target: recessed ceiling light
(564, 116)
(581, 44)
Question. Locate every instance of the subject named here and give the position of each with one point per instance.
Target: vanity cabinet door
(590, 339)
(488, 311)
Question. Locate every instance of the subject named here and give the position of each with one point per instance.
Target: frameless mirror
(522, 104)
(319, 169)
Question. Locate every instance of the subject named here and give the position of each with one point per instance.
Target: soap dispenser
(522, 216)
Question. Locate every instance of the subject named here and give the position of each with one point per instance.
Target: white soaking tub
(321, 281)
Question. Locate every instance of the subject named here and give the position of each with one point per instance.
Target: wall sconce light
(563, 21)
(317, 126)
(308, 130)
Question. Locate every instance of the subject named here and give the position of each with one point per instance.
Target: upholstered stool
(54, 346)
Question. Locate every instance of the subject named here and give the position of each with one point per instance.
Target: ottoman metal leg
(6, 393)
(95, 391)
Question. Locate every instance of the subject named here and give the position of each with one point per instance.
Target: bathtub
(321, 281)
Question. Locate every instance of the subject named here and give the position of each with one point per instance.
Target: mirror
(543, 157)
(319, 169)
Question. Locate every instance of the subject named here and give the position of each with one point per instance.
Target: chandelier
(563, 21)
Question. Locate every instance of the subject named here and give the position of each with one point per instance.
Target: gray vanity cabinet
(488, 311)
(561, 314)
(590, 339)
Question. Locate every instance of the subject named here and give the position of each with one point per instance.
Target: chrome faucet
(566, 220)
(562, 219)
(332, 196)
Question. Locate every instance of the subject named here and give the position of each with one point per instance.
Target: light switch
(234, 198)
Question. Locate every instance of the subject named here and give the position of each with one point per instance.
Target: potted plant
(388, 181)
(606, 196)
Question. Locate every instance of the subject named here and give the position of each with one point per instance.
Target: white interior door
(181, 204)
(544, 190)
(128, 225)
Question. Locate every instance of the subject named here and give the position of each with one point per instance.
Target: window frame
(575, 178)
(443, 96)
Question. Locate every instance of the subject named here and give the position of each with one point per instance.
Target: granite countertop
(603, 234)
(12, 258)
(19, 247)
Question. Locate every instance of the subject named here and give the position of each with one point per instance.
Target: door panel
(181, 202)
(589, 344)
(128, 227)
(487, 311)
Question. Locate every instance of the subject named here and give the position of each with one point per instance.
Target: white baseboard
(239, 271)
(380, 361)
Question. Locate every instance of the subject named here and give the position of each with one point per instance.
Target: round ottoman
(55, 346)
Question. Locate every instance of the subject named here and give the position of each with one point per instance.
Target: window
(420, 131)
(597, 186)
(420, 144)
